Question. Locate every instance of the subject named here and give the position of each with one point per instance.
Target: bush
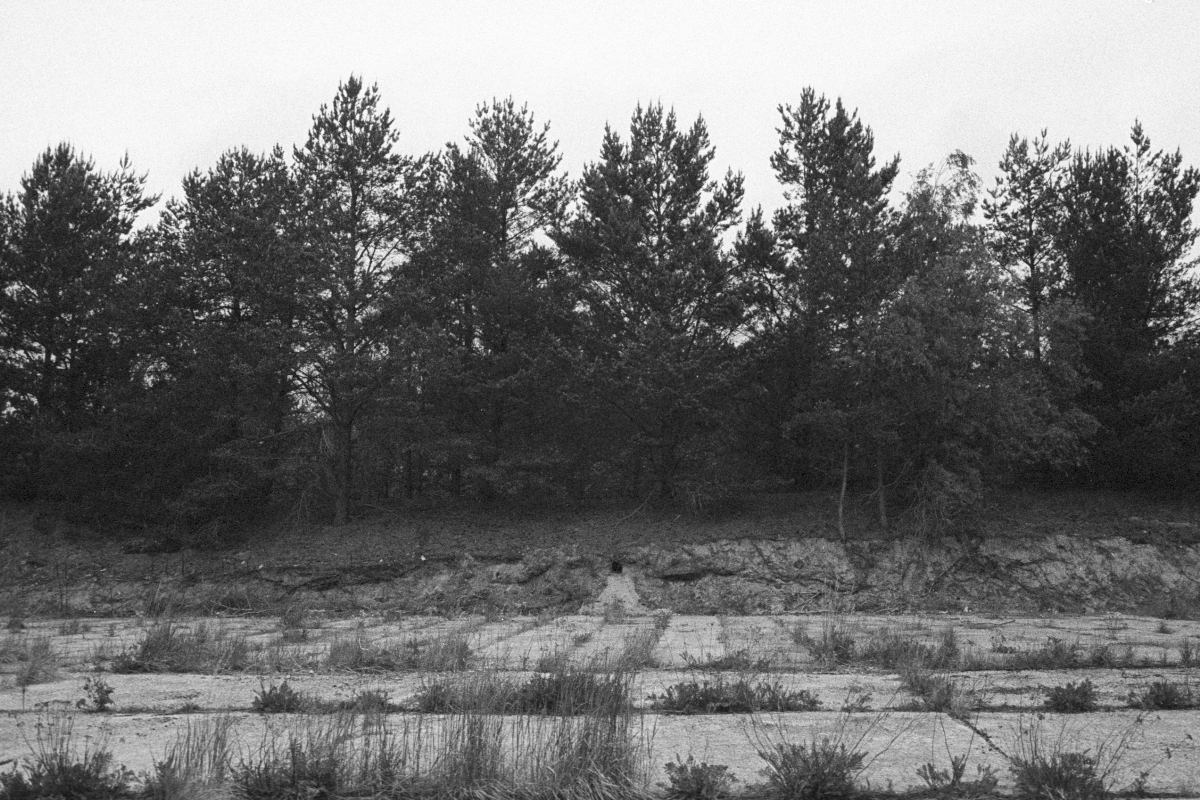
(733, 697)
(1163, 696)
(688, 780)
(950, 781)
(1072, 698)
(820, 771)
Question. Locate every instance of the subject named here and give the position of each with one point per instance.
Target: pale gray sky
(177, 83)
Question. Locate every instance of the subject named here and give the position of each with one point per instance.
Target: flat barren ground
(904, 690)
(1054, 651)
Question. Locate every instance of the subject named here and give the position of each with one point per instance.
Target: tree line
(347, 326)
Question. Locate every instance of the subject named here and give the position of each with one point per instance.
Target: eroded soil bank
(370, 571)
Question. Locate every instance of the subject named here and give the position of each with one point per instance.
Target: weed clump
(1061, 775)
(281, 699)
(1072, 698)
(1163, 695)
(952, 782)
(937, 692)
(687, 780)
(733, 697)
(834, 646)
(824, 770)
(98, 695)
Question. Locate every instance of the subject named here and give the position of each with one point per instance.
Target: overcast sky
(174, 84)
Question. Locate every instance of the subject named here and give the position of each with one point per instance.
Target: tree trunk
(345, 474)
(883, 519)
(842, 495)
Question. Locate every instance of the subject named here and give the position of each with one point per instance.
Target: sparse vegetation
(733, 696)
(737, 661)
(565, 692)
(169, 647)
(444, 653)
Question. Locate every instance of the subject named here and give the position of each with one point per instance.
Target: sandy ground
(145, 720)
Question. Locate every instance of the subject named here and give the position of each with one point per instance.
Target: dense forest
(348, 327)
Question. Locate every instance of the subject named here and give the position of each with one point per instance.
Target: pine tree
(361, 218)
(661, 300)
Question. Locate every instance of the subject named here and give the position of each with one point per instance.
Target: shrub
(281, 699)
(823, 770)
(1163, 695)
(687, 780)
(733, 697)
(1072, 698)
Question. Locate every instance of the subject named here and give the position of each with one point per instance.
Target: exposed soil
(1027, 554)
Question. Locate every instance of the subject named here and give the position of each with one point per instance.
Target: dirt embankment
(1156, 574)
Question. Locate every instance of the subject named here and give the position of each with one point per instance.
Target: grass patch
(1071, 698)
(737, 661)
(1053, 654)
(739, 696)
(447, 653)
(832, 646)
(565, 692)
(167, 647)
(895, 651)
(937, 692)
